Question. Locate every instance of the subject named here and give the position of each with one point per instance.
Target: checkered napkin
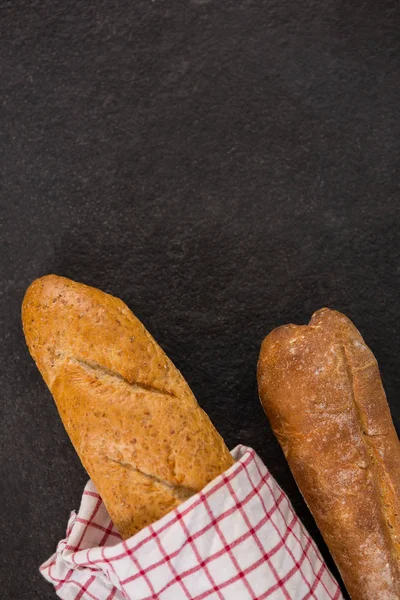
(237, 539)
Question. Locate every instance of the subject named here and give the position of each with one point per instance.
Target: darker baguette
(321, 390)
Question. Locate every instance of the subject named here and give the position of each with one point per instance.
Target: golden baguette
(134, 422)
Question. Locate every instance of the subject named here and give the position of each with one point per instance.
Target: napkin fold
(238, 539)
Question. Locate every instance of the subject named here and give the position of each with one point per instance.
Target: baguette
(321, 389)
(132, 418)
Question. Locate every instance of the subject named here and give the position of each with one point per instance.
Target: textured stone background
(224, 167)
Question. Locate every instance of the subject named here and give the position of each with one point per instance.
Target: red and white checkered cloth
(238, 539)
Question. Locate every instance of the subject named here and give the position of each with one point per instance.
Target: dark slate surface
(224, 167)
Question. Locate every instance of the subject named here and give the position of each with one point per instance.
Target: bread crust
(321, 389)
(131, 416)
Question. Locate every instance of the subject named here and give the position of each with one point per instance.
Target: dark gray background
(224, 167)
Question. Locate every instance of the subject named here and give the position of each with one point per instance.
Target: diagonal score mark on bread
(181, 492)
(95, 366)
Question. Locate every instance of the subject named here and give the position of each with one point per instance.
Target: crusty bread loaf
(132, 418)
(320, 387)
